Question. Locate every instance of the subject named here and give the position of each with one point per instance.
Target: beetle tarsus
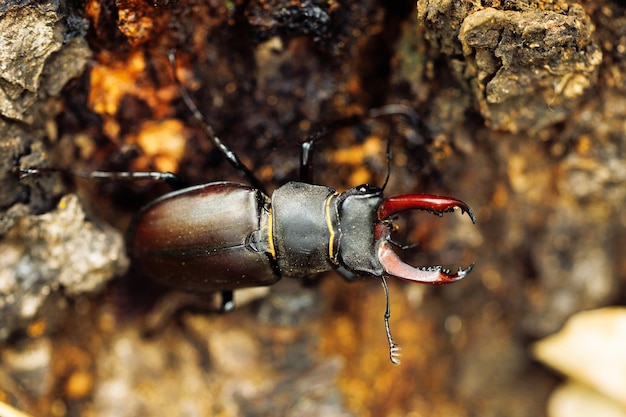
(167, 177)
(23, 173)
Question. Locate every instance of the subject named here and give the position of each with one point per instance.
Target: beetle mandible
(223, 236)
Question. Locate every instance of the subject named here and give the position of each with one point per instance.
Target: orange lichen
(164, 141)
(92, 11)
(109, 83)
(115, 79)
(37, 328)
(79, 384)
(135, 20)
(354, 155)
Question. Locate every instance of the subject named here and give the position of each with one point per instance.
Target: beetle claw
(391, 262)
(394, 266)
(428, 202)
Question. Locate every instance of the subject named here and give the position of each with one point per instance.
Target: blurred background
(521, 115)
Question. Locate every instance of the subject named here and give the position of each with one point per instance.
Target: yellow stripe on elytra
(331, 231)
(270, 233)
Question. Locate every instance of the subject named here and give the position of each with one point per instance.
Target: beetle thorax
(317, 229)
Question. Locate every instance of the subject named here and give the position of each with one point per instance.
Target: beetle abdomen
(216, 239)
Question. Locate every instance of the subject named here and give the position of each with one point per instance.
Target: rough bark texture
(522, 116)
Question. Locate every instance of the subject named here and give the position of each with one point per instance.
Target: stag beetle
(224, 236)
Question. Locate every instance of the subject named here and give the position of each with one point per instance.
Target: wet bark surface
(522, 110)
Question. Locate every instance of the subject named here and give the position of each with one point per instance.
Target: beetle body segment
(302, 236)
(210, 237)
(358, 219)
(317, 229)
(224, 236)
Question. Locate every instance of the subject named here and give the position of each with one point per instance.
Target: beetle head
(391, 262)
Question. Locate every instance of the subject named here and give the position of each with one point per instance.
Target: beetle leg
(230, 156)
(391, 262)
(346, 274)
(228, 303)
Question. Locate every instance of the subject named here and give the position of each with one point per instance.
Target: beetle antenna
(393, 110)
(389, 157)
(394, 350)
(230, 155)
